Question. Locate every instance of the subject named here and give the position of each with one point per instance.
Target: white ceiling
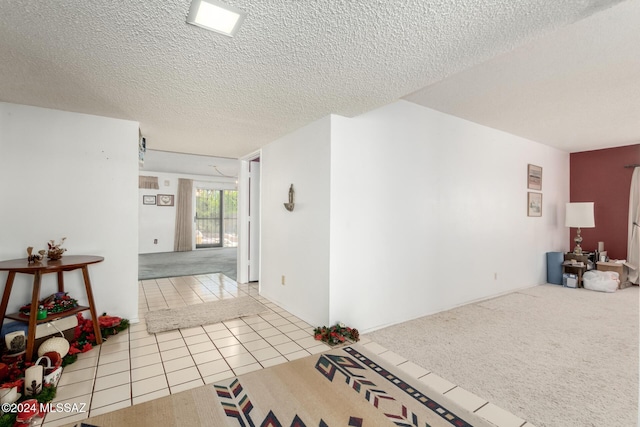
(576, 89)
(192, 164)
(292, 62)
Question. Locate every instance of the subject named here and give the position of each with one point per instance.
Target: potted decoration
(55, 249)
(336, 334)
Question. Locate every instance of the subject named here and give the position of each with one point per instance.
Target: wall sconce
(289, 206)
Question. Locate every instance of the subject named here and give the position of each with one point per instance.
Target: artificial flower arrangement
(55, 249)
(336, 334)
(56, 303)
(85, 338)
(12, 371)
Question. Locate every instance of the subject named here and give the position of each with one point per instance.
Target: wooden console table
(37, 269)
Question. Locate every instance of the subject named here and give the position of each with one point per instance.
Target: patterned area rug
(343, 387)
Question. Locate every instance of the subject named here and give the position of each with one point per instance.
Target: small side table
(575, 269)
(66, 263)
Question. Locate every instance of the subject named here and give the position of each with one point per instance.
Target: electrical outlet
(155, 241)
(283, 282)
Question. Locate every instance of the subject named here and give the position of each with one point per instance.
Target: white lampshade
(580, 215)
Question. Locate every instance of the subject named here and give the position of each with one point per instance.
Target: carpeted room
(455, 194)
(175, 264)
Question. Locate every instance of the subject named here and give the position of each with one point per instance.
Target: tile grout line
(130, 370)
(192, 359)
(452, 388)
(482, 406)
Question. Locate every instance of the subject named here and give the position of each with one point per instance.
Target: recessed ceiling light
(215, 16)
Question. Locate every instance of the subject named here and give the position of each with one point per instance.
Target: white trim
(243, 216)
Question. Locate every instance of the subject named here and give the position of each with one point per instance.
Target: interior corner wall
(71, 175)
(600, 176)
(429, 211)
(295, 245)
(159, 222)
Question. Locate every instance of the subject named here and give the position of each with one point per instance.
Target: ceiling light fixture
(220, 173)
(215, 16)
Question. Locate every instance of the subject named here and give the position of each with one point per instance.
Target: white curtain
(183, 240)
(633, 246)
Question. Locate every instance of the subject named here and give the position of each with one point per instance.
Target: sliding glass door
(208, 218)
(216, 218)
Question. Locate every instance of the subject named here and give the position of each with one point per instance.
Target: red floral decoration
(336, 334)
(84, 336)
(16, 367)
(56, 303)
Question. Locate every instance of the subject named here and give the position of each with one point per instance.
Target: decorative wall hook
(289, 206)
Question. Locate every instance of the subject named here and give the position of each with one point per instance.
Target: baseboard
(375, 328)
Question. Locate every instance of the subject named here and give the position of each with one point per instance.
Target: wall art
(534, 177)
(165, 199)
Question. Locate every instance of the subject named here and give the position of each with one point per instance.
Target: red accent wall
(600, 176)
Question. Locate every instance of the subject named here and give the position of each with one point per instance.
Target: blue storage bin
(554, 267)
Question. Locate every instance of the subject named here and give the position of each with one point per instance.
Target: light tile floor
(134, 366)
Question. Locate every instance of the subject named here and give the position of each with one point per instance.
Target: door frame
(243, 217)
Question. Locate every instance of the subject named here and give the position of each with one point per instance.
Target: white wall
(427, 208)
(71, 175)
(296, 244)
(159, 222)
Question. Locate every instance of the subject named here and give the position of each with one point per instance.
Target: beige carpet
(551, 355)
(343, 387)
(207, 313)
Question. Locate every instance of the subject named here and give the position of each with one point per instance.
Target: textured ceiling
(577, 89)
(292, 62)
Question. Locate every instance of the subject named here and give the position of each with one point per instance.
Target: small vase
(55, 254)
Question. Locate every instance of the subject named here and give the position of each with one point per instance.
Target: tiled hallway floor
(134, 366)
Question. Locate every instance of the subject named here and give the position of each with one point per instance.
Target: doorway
(249, 221)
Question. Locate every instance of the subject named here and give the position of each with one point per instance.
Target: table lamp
(579, 215)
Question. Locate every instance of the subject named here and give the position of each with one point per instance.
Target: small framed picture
(148, 200)
(165, 199)
(534, 204)
(534, 177)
